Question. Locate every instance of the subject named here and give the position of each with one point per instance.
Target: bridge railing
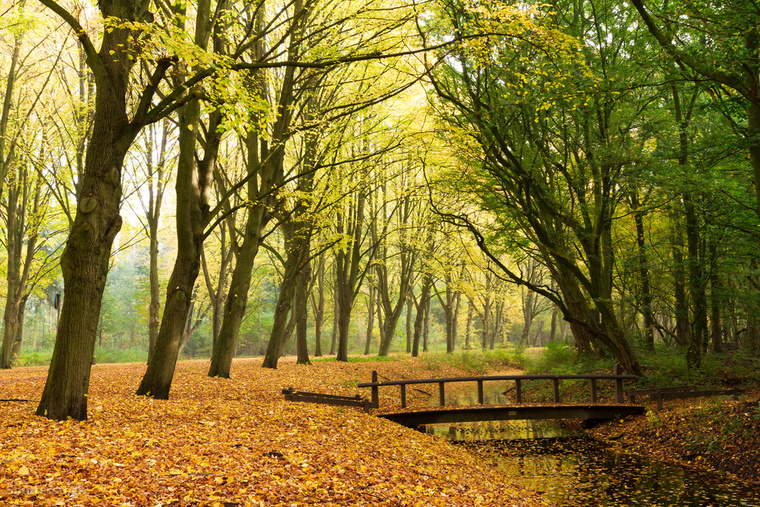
(617, 377)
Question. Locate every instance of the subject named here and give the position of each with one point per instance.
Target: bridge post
(480, 392)
(619, 384)
(441, 394)
(403, 395)
(518, 391)
(555, 381)
(593, 391)
(375, 391)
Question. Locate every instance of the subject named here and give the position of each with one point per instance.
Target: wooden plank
(701, 394)
(326, 399)
(642, 392)
(375, 393)
(475, 414)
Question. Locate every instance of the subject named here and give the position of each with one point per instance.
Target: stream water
(571, 470)
(575, 471)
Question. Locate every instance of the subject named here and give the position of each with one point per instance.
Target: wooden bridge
(596, 409)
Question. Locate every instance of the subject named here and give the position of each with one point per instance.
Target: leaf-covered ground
(711, 434)
(233, 442)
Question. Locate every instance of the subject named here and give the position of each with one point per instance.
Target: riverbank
(233, 443)
(709, 434)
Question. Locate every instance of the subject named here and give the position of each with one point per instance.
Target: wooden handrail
(441, 381)
(496, 377)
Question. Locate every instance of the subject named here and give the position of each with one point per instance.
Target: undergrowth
(476, 361)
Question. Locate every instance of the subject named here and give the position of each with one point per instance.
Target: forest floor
(719, 434)
(234, 442)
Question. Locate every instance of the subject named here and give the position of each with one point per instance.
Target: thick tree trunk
(84, 263)
(527, 311)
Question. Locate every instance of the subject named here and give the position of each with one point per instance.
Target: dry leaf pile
(709, 434)
(232, 443)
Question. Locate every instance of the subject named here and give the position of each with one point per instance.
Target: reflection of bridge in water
(598, 408)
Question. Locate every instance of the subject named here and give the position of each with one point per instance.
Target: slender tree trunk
(336, 317)
(156, 187)
(527, 316)
(282, 316)
(409, 332)
(301, 306)
(426, 326)
(347, 263)
(319, 306)
(646, 291)
(679, 286)
(468, 325)
(370, 320)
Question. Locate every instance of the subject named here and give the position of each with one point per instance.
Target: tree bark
(85, 260)
(318, 306)
(193, 187)
(646, 290)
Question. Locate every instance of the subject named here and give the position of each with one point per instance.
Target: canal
(569, 469)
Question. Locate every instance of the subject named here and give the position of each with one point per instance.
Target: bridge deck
(506, 413)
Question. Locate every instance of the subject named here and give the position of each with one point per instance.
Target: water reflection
(499, 430)
(580, 472)
(573, 471)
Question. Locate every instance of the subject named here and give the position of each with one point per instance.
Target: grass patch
(358, 359)
(558, 358)
(476, 361)
(666, 366)
(36, 358)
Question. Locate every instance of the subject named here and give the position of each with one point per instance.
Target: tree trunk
(347, 271)
(426, 326)
(193, 186)
(410, 304)
(85, 260)
(319, 306)
(421, 308)
(370, 320)
(300, 313)
(679, 286)
(156, 187)
(293, 264)
(646, 291)
(468, 325)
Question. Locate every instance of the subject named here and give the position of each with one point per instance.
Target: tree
(194, 182)
(542, 152)
(85, 259)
